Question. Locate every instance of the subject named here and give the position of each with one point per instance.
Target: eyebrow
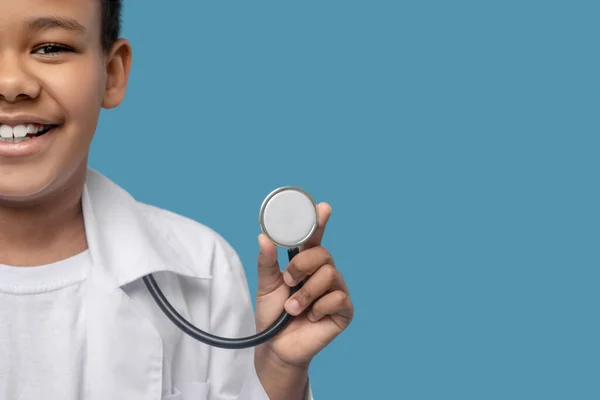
(45, 23)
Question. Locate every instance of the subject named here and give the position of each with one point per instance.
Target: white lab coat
(133, 351)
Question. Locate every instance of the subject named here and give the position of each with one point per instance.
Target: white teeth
(6, 131)
(20, 131)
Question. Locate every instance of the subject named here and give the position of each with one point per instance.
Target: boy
(76, 320)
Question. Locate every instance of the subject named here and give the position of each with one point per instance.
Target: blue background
(457, 142)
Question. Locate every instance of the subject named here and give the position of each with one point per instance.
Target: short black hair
(111, 23)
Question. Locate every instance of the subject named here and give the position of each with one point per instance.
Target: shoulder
(192, 240)
(180, 225)
(203, 249)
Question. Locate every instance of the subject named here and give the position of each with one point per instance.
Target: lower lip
(29, 147)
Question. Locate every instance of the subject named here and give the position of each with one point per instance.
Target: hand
(322, 307)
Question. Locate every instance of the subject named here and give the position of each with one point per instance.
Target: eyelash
(57, 47)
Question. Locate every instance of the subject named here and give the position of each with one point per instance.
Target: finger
(306, 263)
(326, 279)
(323, 214)
(337, 304)
(269, 275)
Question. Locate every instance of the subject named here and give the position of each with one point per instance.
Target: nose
(16, 83)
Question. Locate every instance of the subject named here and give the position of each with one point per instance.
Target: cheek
(82, 101)
(78, 93)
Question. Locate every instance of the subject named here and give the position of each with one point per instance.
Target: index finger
(323, 214)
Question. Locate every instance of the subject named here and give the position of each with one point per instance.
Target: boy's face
(53, 73)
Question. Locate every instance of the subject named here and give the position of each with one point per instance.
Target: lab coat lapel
(124, 348)
(124, 351)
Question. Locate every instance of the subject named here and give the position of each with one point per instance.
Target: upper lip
(24, 119)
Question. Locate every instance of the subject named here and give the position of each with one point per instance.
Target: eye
(52, 49)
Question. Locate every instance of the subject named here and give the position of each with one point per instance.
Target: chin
(23, 187)
(37, 182)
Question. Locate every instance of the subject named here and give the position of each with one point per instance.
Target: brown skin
(40, 195)
(325, 311)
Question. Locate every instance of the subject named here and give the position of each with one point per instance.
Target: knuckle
(319, 307)
(341, 298)
(324, 253)
(294, 269)
(330, 272)
(303, 261)
(317, 310)
(304, 295)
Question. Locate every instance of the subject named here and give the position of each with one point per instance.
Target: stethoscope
(288, 217)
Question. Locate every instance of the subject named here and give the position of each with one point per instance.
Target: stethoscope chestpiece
(288, 216)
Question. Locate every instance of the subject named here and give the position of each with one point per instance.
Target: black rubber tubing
(217, 341)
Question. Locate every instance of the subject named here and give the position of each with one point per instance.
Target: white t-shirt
(42, 330)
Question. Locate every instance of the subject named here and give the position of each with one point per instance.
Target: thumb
(269, 275)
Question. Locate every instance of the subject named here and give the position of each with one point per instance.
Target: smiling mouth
(22, 133)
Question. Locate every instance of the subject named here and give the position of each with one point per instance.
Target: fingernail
(287, 278)
(293, 306)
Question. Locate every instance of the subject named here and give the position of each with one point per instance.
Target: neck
(47, 230)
